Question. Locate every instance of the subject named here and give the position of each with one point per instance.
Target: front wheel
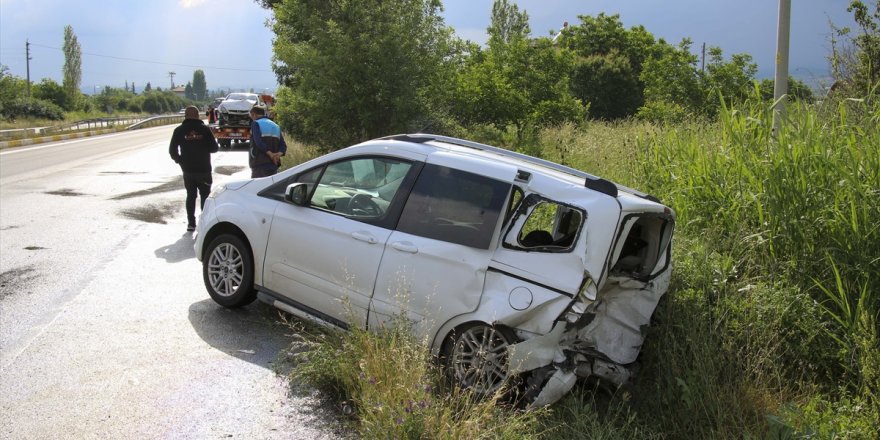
(228, 271)
(477, 358)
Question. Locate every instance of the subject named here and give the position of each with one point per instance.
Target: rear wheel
(228, 271)
(477, 358)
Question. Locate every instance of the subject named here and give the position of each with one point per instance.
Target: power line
(160, 62)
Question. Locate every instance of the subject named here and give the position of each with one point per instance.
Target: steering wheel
(363, 205)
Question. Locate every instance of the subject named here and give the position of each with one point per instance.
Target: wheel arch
(225, 228)
(444, 338)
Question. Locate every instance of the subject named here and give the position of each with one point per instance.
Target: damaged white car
(235, 108)
(511, 266)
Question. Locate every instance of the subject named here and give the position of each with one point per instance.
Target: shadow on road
(256, 335)
(253, 333)
(180, 250)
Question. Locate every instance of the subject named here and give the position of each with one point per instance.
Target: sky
(137, 41)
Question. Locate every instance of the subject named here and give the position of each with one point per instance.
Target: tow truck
(233, 122)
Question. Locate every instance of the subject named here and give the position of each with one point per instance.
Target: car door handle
(405, 246)
(364, 236)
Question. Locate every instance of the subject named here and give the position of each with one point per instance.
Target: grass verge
(770, 328)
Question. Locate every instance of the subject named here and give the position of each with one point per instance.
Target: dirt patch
(5, 228)
(34, 248)
(173, 185)
(13, 280)
(228, 170)
(66, 192)
(151, 213)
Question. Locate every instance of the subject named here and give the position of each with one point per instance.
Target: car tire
(228, 271)
(476, 358)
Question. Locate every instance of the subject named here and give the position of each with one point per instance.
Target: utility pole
(171, 75)
(27, 56)
(703, 59)
(780, 85)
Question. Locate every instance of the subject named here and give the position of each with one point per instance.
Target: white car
(511, 266)
(235, 108)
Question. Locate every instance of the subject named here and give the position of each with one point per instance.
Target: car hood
(237, 105)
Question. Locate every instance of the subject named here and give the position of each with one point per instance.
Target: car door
(435, 261)
(323, 258)
(539, 246)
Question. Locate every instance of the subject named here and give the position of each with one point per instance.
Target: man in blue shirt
(267, 144)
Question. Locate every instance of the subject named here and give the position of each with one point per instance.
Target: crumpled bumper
(603, 342)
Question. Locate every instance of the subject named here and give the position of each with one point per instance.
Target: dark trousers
(193, 182)
(263, 172)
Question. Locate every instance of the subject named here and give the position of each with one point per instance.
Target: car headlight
(223, 109)
(217, 191)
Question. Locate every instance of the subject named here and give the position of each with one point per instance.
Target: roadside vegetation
(770, 327)
(50, 105)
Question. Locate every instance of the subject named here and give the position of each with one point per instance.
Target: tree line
(357, 70)
(51, 101)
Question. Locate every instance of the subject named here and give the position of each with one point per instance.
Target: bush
(30, 108)
(662, 112)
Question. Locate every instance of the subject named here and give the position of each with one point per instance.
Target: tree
(732, 80)
(113, 100)
(796, 90)
(672, 83)
(188, 91)
(507, 24)
(610, 60)
(671, 76)
(856, 67)
(199, 86)
(517, 81)
(72, 69)
(356, 70)
(148, 87)
(51, 91)
(11, 87)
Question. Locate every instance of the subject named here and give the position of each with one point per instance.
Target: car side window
(361, 188)
(454, 206)
(550, 226)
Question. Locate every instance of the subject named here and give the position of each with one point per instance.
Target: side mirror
(297, 193)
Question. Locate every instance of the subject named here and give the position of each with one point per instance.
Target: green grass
(392, 389)
(770, 327)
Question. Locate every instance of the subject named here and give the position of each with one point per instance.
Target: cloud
(191, 3)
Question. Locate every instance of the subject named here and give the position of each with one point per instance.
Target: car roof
(426, 144)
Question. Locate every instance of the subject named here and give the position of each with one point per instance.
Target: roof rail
(590, 181)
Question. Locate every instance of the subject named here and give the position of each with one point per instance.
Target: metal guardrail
(129, 123)
(154, 121)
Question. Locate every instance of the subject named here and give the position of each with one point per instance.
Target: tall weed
(388, 380)
(808, 190)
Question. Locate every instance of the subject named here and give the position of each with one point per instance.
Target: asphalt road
(106, 330)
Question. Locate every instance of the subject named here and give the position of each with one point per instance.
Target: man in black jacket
(191, 146)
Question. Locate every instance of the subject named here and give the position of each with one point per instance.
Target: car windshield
(241, 97)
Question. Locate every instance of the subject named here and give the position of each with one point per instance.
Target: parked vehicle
(233, 120)
(508, 264)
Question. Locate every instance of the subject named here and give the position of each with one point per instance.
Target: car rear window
(454, 206)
